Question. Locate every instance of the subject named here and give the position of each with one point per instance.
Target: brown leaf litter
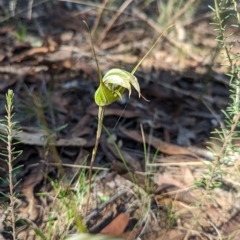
(136, 195)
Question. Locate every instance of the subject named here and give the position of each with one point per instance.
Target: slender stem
(155, 43)
(94, 53)
(99, 130)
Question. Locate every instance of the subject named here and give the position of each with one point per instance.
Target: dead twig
(111, 22)
(99, 14)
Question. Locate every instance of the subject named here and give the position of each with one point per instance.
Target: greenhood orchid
(113, 85)
(111, 88)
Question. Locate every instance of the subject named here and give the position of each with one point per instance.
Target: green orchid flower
(113, 85)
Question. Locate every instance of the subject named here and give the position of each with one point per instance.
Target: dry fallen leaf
(162, 146)
(117, 226)
(80, 128)
(29, 53)
(114, 112)
(232, 227)
(161, 179)
(188, 177)
(87, 236)
(173, 234)
(133, 163)
(39, 138)
(131, 235)
(57, 56)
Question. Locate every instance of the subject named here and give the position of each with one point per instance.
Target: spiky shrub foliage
(228, 132)
(9, 155)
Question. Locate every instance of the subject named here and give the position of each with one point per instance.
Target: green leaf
(39, 233)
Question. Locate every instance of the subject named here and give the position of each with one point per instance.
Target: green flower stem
(152, 47)
(94, 152)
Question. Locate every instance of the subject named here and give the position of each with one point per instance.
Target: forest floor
(46, 58)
